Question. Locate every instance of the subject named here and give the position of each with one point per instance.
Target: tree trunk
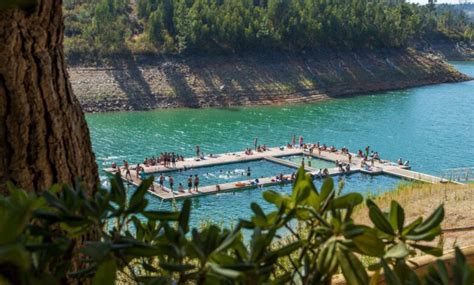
(44, 138)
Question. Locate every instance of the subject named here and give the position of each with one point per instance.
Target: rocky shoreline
(150, 82)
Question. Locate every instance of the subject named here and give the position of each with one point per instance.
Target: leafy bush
(65, 235)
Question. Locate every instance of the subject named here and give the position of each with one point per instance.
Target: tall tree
(44, 138)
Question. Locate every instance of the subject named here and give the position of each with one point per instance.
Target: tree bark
(44, 138)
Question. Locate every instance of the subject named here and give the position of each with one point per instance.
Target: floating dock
(274, 155)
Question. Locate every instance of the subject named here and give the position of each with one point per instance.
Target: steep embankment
(143, 83)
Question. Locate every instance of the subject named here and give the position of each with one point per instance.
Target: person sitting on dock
(376, 156)
(406, 163)
(319, 174)
(114, 165)
(325, 172)
(348, 167)
(289, 146)
(180, 188)
(341, 168)
(400, 161)
(359, 153)
(293, 176)
(196, 183)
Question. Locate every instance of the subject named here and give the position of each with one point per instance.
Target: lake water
(432, 126)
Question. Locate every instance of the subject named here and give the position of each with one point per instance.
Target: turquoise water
(227, 208)
(315, 163)
(432, 126)
(226, 173)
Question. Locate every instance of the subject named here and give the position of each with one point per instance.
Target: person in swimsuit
(198, 152)
(196, 183)
(127, 169)
(171, 181)
(162, 181)
(190, 183)
(181, 188)
(173, 160)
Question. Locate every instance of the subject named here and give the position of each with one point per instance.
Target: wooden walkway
(272, 155)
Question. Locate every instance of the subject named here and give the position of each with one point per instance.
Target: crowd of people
(167, 159)
(367, 158)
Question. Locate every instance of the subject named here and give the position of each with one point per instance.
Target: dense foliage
(122, 240)
(177, 26)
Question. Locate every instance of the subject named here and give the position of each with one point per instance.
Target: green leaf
(326, 188)
(390, 277)
(106, 273)
(426, 236)
(379, 219)
(273, 197)
(175, 267)
(347, 201)
(436, 251)
(433, 221)
(408, 229)
(397, 216)
(229, 273)
(117, 191)
(162, 215)
(351, 267)
(137, 197)
(399, 250)
(15, 254)
(184, 216)
(288, 249)
(327, 259)
(369, 244)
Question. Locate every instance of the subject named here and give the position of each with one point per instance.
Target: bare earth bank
(149, 82)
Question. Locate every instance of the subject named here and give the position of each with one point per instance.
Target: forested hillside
(107, 27)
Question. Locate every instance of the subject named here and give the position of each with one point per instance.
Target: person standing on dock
(127, 169)
(255, 141)
(162, 180)
(198, 151)
(173, 160)
(301, 141)
(293, 141)
(367, 148)
(196, 183)
(190, 183)
(171, 182)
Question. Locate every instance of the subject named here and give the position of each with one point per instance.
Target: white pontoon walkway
(272, 155)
